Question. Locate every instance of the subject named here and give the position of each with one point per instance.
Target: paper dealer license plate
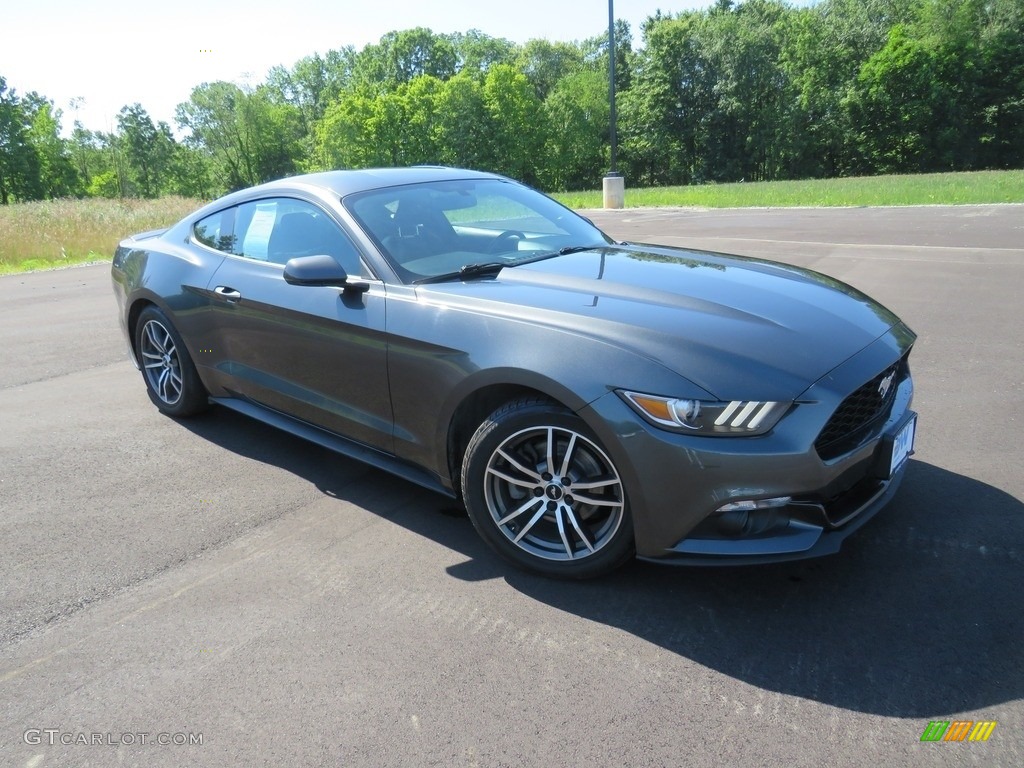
(902, 445)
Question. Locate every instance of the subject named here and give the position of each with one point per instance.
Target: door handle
(227, 293)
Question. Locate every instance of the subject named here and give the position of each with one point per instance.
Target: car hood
(737, 327)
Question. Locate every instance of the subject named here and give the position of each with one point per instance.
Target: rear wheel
(544, 494)
(170, 375)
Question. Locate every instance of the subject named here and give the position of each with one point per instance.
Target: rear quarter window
(216, 231)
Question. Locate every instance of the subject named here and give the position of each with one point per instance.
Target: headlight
(738, 417)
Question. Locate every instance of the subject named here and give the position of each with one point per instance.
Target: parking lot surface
(212, 592)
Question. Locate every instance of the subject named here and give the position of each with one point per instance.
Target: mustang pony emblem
(886, 383)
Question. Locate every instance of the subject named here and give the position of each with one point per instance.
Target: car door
(316, 353)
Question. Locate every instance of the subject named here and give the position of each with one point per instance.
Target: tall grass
(60, 232)
(925, 189)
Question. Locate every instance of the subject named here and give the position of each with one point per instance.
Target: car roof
(338, 184)
(342, 183)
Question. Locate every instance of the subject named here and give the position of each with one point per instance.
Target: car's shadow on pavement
(920, 615)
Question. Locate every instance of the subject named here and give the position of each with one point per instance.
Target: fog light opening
(749, 505)
(750, 517)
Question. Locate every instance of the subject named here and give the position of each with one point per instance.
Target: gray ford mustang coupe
(587, 400)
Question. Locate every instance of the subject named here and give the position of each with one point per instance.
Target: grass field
(64, 232)
(928, 189)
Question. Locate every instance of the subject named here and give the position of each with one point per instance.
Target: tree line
(755, 90)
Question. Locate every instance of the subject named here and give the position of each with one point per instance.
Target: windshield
(437, 228)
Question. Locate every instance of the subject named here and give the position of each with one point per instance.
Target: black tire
(167, 368)
(531, 516)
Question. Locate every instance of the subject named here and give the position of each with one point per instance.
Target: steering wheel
(504, 241)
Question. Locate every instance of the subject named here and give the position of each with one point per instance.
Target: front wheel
(544, 494)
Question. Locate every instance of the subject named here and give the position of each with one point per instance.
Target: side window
(215, 231)
(278, 229)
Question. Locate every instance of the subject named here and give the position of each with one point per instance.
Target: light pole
(614, 185)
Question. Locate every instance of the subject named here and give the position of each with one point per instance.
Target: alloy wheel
(553, 493)
(160, 362)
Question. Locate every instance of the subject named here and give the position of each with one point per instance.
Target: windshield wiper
(490, 268)
(578, 249)
(486, 268)
(468, 271)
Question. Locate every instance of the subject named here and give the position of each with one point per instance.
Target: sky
(112, 53)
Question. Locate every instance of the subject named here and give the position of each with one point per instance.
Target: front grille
(859, 413)
(840, 509)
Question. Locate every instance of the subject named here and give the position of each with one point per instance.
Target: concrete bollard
(614, 191)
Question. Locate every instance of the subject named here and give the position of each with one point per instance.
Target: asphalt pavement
(211, 592)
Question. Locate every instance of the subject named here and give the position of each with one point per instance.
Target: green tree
(309, 87)
(212, 117)
(19, 161)
(825, 46)
(1000, 84)
(710, 100)
(893, 105)
(750, 135)
(420, 124)
(57, 174)
(478, 52)
(148, 149)
(401, 56)
(112, 148)
(516, 127)
(106, 184)
(87, 155)
(190, 173)
(545, 63)
(577, 120)
(665, 115)
(463, 123)
(595, 54)
(391, 128)
(358, 131)
(312, 83)
(250, 138)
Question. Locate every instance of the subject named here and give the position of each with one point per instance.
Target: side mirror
(320, 270)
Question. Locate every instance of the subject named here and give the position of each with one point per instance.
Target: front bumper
(799, 531)
(675, 483)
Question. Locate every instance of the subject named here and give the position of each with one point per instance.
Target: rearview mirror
(320, 270)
